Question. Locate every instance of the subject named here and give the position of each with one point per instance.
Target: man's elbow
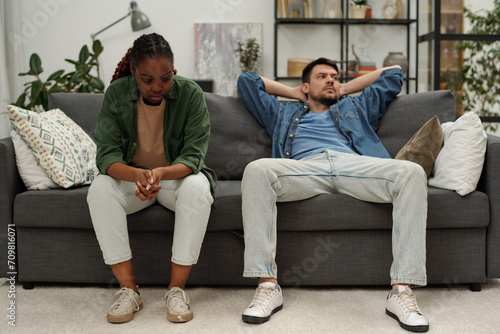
(394, 66)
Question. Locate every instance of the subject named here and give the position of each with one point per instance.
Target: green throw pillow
(425, 145)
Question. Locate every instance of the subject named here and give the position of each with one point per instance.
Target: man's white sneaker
(268, 300)
(178, 309)
(402, 305)
(124, 308)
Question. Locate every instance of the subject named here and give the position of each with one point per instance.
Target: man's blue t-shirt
(315, 134)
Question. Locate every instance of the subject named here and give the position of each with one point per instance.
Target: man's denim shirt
(355, 117)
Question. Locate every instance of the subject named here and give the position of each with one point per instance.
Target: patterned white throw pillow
(61, 147)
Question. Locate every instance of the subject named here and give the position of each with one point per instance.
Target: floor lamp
(139, 21)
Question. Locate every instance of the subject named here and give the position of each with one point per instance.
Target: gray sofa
(325, 240)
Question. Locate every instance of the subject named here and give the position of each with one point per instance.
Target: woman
(152, 134)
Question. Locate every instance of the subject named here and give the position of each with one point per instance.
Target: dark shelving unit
(344, 24)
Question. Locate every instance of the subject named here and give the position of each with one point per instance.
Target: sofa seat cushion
(53, 208)
(67, 208)
(446, 209)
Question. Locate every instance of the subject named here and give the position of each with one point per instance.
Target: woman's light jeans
(111, 200)
(403, 183)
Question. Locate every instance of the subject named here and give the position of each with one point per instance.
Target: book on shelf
(281, 8)
(298, 8)
(362, 70)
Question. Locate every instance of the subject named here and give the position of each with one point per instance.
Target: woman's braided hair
(146, 46)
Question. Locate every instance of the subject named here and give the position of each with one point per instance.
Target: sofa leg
(476, 287)
(28, 285)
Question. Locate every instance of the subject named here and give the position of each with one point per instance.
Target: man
(328, 144)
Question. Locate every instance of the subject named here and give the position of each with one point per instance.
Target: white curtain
(11, 60)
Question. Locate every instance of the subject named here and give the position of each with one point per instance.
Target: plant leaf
(56, 75)
(97, 83)
(97, 47)
(21, 100)
(71, 61)
(77, 77)
(84, 89)
(36, 89)
(84, 54)
(35, 65)
(44, 99)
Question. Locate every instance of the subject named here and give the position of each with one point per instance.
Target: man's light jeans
(403, 183)
(111, 200)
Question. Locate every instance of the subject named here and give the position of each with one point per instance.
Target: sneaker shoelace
(125, 297)
(178, 297)
(408, 302)
(262, 296)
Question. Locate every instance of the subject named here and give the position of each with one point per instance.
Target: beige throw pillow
(425, 145)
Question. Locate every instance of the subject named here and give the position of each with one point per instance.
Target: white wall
(57, 29)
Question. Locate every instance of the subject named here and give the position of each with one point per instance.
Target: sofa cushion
(67, 208)
(460, 163)
(423, 148)
(61, 147)
(408, 113)
(446, 210)
(32, 174)
(235, 137)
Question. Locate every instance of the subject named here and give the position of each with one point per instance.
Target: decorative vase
(396, 58)
(389, 10)
(357, 11)
(400, 10)
(332, 9)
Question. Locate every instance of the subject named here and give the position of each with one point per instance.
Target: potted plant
(357, 9)
(476, 82)
(249, 55)
(36, 94)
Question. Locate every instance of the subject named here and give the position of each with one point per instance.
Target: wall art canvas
(215, 55)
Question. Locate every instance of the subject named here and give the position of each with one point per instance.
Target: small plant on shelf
(357, 9)
(359, 2)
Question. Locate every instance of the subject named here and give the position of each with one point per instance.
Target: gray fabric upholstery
(326, 240)
(408, 113)
(235, 137)
(79, 107)
(33, 209)
(10, 185)
(489, 183)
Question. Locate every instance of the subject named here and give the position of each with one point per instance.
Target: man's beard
(325, 100)
(328, 101)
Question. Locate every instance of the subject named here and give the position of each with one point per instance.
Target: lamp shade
(139, 19)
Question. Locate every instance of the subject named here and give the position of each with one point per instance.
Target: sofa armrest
(490, 184)
(11, 184)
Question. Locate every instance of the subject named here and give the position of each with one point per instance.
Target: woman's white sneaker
(268, 299)
(402, 305)
(178, 309)
(124, 308)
